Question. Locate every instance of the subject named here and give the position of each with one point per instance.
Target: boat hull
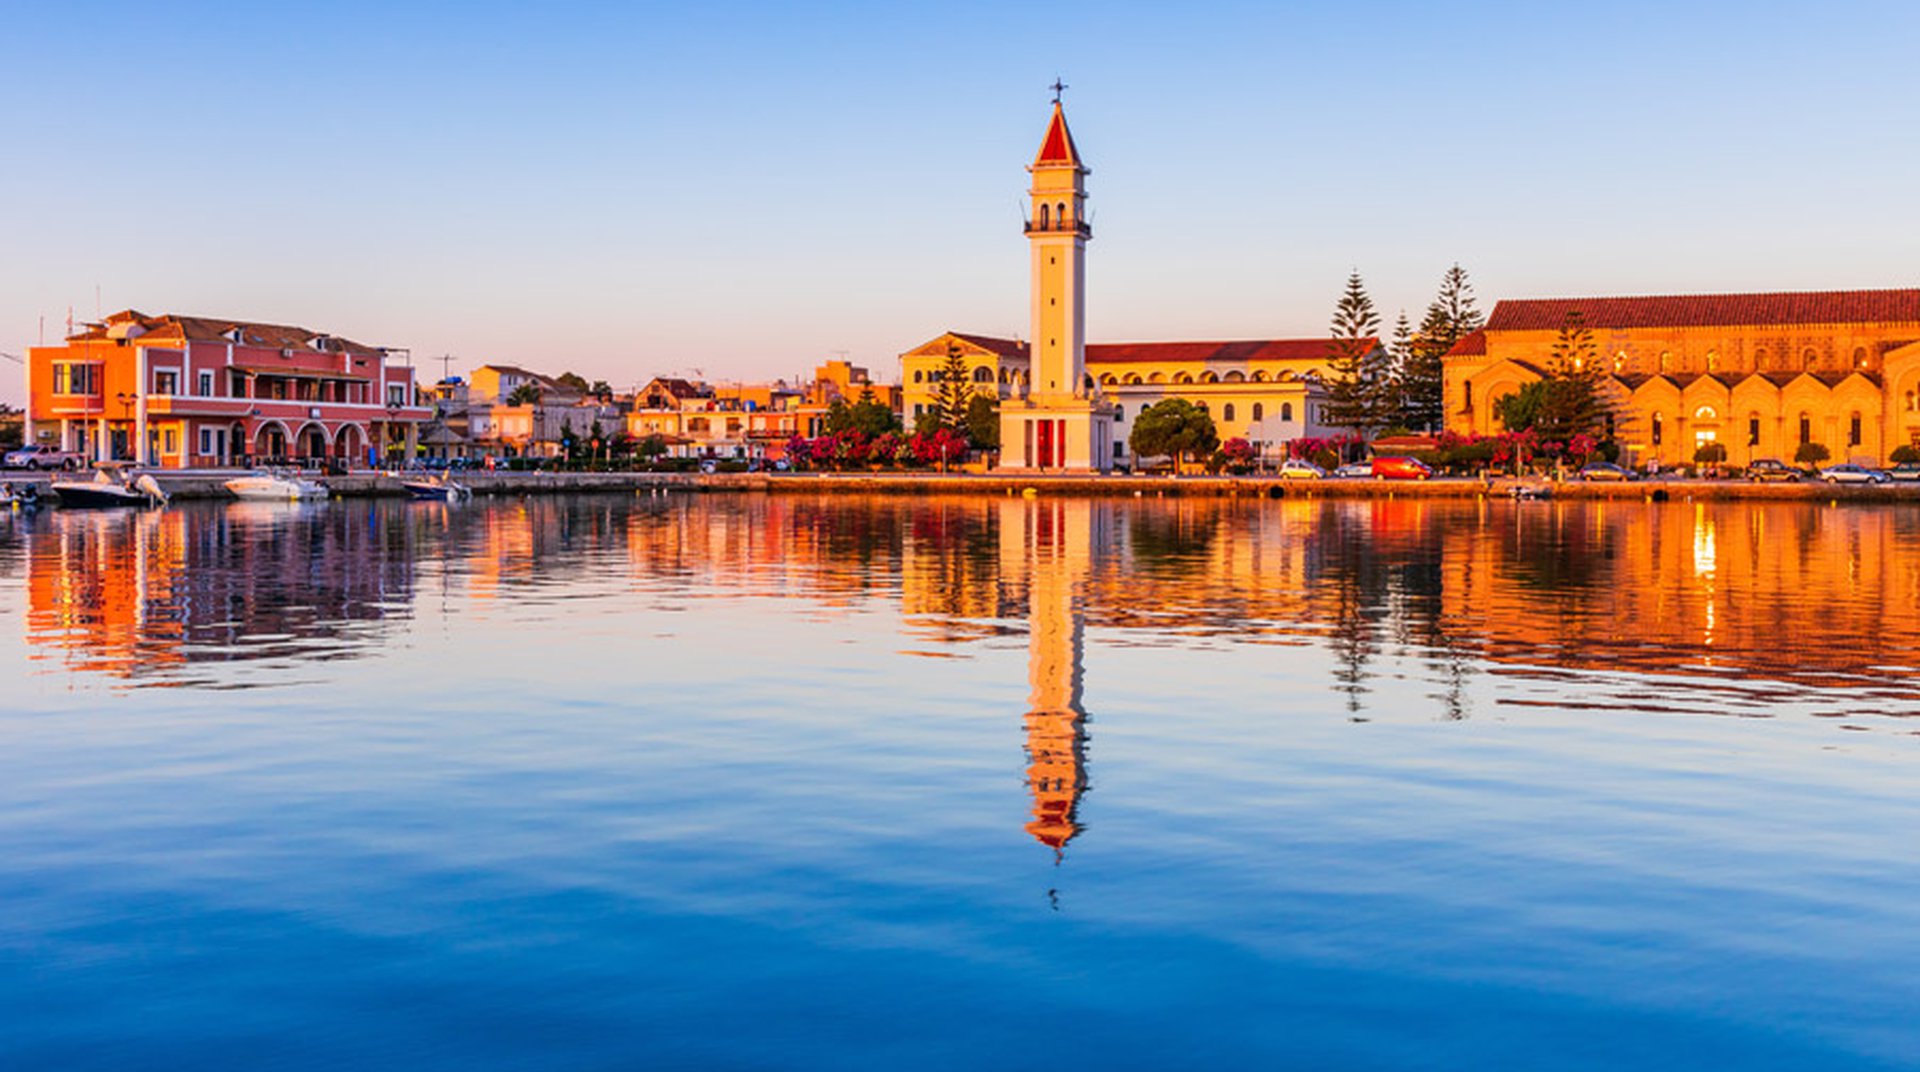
(275, 489)
(97, 495)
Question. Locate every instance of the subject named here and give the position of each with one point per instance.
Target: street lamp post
(126, 400)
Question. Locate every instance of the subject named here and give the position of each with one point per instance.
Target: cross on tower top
(1058, 87)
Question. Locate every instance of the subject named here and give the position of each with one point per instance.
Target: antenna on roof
(445, 361)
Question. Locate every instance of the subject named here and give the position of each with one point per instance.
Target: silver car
(1848, 473)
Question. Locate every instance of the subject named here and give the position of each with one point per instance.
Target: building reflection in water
(141, 595)
(1049, 543)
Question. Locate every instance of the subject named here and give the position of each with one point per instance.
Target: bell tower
(1057, 234)
(1059, 422)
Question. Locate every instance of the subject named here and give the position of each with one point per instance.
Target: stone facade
(1758, 373)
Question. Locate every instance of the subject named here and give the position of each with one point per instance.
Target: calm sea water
(762, 783)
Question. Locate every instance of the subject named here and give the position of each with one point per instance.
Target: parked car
(1604, 471)
(1300, 469)
(1849, 473)
(1399, 467)
(1768, 470)
(1904, 471)
(1354, 469)
(38, 456)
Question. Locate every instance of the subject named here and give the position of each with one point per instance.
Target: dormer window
(234, 335)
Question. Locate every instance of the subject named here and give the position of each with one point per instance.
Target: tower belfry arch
(1060, 422)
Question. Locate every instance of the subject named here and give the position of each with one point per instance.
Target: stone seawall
(211, 485)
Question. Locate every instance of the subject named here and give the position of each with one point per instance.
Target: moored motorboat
(437, 489)
(276, 487)
(110, 487)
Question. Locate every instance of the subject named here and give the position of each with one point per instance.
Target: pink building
(190, 391)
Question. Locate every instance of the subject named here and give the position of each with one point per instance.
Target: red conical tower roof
(1058, 149)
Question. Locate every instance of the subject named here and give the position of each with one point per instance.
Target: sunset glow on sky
(746, 190)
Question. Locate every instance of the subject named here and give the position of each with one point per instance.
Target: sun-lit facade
(1758, 374)
(182, 391)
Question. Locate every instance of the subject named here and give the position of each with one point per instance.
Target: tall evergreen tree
(1451, 317)
(955, 392)
(1572, 403)
(1393, 396)
(1356, 362)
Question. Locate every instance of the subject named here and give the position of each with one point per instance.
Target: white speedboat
(276, 487)
(441, 488)
(110, 487)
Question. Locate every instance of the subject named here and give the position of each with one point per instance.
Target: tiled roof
(679, 388)
(1058, 147)
(992, 344)
(1472, 344)
(174, 327)
(1232, 352)
(1712, 310)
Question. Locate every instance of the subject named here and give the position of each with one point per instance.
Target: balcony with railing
(1060, 226)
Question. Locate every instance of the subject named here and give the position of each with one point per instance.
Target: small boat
(1525, 491)
(276, 487)
(439, 488)
(21, 497)
(111, 486)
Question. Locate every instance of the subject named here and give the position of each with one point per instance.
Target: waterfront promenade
(210, 484)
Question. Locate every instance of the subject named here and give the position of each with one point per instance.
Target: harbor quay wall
(210, 484)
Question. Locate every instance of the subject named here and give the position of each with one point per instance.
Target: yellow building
(1760, 374)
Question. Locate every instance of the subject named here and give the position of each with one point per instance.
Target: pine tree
(1450, 318)
(1393, 396)
(1355, 362)
(955, 392)
(1572, 403)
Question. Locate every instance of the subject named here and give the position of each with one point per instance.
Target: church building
(1068, 405)
(1759, 374)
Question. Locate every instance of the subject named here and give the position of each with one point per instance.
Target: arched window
(1046, 220)
(1060, 213)
(1201, 406)
(1753, 429)
(1659, 425)
(1286, 411)
(1810, 357)
(1806, 429)
(1133, 379)
(1666, 361)
(983, 374)
(1226, 412)
(1705, 413)
(1183, 378)
(1853, 430)
(917, 376)
(1119, 413)
(1260, 377)
(1760, 358)
(1156, 377)
(1259, 412)
(1859, 357)
(1713, 361)
(1620, 362)
(1234, 377)
(1913, 402)
(1209, 377)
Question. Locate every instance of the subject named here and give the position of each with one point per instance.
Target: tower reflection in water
(1049, 543)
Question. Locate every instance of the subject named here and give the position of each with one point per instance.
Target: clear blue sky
(746, 189)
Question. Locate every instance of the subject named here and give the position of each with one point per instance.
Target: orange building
(1760, 374)
(182, 391)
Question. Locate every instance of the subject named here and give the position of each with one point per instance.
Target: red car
(1394, 467)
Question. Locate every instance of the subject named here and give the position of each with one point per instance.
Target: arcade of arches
(1759, 374)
